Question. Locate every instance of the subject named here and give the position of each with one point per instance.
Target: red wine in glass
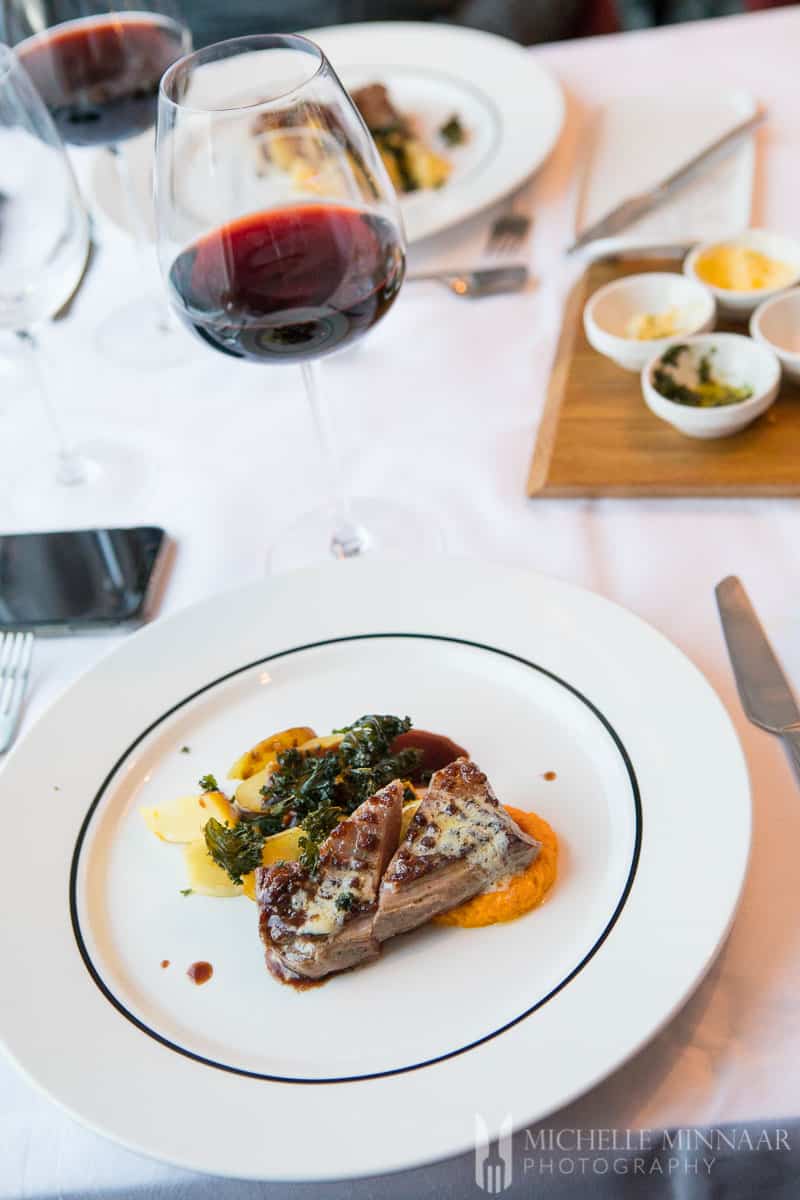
(99, 76)
(289, 284)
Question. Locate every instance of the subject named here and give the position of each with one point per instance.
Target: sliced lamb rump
(314, 925)
(375, 105)
(459, 843)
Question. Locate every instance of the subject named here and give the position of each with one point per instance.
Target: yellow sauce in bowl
(742, 269)
(518, 893)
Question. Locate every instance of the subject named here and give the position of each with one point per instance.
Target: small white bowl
(773, 245)
(609, 311)
(737, 359)
(776, 324)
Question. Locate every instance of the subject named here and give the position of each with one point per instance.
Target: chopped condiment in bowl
(689, 379)
(627, 318)
(711, 385)
(646, 327)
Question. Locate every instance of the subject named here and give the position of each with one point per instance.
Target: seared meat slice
(459, 843)
(375, 105)
(312, 925)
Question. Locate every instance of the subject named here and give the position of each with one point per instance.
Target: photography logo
(493, 1161)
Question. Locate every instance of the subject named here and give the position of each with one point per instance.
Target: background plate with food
(509, 109)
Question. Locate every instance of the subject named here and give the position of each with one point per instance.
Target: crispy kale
(345, 776)
(316, 827)
(235, 848)
(316, 791)
(359, 783)
(369, 738)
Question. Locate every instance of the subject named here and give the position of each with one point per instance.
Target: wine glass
(281, 241)
(97, 65)
(44, 239)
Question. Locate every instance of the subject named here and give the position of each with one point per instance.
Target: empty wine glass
(97, 65)
(281, 241)
(44, 235)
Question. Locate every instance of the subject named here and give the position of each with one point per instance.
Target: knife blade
(764, 691)
(633, 207)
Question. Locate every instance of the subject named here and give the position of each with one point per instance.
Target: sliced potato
(248, 794)
(321, 745)
(183, 820)
(281, 847)
(204, 876)
(264, 752)
(427, 168)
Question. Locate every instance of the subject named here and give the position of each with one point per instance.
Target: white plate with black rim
(511, 108)
(384, 1067)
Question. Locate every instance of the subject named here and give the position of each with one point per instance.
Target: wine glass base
(51, 494)
(142, 335)
(391, 531)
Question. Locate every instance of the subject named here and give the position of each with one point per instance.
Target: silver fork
(16, 650)
(475, 283)
(508, 233)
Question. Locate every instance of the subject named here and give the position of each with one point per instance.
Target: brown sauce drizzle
(289, 979)
(200, 972)
(165, 962)
(437, 750)
(305, 985)
(549, 776)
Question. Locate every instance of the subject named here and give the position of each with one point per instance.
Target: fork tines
(16, 650)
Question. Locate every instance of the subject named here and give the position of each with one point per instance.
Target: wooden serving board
(598, 438)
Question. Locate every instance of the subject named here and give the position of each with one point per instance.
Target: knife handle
(791, 739)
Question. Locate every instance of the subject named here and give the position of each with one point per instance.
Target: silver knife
(766, 696)
(636, 206)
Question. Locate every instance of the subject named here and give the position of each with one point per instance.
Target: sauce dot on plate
(200, 972)
(165, 962)
(549, 776)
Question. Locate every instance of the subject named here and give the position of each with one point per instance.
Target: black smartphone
(81, 580)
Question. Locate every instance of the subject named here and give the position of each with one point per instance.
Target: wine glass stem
(70, 467)
(163, 315)
(348, 539)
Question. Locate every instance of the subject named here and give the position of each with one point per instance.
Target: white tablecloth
(441, 403)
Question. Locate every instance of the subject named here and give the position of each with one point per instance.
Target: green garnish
(370, 737)
(453, 132)
(186, 891)
(315, 791)
(316, 827)
(235, 848)
(185, 750)
(345, 901)
(208, 783)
